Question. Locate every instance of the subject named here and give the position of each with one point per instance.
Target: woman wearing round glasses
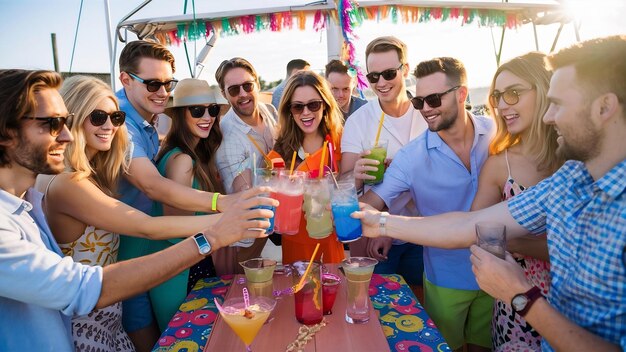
(523, 153)
(82, 212)
(308, 116)
(187, 156)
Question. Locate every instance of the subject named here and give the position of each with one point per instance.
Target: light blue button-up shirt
(40, 289)
(439, 183)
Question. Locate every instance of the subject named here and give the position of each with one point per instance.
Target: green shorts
(462, 316)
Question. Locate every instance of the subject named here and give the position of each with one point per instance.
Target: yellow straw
(380, 126)
(293, 162)
(308, 269)
(323, 159)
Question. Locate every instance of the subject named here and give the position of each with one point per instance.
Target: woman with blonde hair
(308, 116)
(523, 152)
(81, 212)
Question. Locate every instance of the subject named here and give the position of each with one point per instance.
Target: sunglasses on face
(433, 100)
(154, 85)
(197, 111)
(99, 117)
(298, 108)
(510, 96)
(234, 90)
(56, 123)
(388, 75)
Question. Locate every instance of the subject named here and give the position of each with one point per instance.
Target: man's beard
(34, 158)
(583, 146)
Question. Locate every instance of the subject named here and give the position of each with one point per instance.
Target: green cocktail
(377, 152)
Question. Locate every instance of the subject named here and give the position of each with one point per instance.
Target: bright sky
(26, 26)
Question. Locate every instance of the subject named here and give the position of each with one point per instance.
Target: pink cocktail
(330, 286)
(290, 194)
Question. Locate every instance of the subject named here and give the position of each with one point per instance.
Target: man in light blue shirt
(440, 169)
(40, 289)
(293, 66)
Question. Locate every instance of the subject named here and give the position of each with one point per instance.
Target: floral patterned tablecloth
(403, 319)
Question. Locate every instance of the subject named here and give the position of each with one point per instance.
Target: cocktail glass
(316, 199)
(344, 202)
(247, 321)
(289, 193)
(268, 178)
(358, 271)
(308, 300)
(377, 152)
(491, 236)
(330, 286)
(259, 273)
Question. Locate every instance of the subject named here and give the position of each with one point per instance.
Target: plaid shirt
(586, 226)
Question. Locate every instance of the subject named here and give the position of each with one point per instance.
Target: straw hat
(192, 91)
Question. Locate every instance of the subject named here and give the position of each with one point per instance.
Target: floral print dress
(510, 332)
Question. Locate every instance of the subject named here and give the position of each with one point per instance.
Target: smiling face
(569, 112)
(99, 138)
(517, 117)
(442, 117)
(307, 121)
(200, 128)
(341, 85)
(36, 150)
(244, 103)
(387, 91)
(148, 103)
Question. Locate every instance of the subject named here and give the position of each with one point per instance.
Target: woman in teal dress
(187, 157)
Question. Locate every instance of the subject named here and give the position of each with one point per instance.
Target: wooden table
(398, 322)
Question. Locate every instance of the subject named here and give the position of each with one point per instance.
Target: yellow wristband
(214, 201)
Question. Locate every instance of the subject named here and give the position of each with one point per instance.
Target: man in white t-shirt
(387, 69)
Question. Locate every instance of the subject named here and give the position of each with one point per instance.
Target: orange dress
(300, 246)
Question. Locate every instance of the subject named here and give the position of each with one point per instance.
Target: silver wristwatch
(204, 247)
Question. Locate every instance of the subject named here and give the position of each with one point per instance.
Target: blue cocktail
(343, 203)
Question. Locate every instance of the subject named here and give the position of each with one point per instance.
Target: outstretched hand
(240, 220)
(369, 220)
(501, 279)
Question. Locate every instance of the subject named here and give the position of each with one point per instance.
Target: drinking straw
(308, 270)
(268, 161)
(218, 305)
(246, 298)
(380, 126)
(293, 162)
(331, 155)
(322, 160)
(253, 167)
(334, 180)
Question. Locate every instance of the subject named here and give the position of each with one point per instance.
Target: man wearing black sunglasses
(249, 128)
(147, 75)
(440, 169)
(387, 67)
(40, 289)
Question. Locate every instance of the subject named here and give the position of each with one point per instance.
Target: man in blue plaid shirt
(582, 208)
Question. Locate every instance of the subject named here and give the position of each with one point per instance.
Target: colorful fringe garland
(348, 14)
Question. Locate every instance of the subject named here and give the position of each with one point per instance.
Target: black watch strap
(532, 295)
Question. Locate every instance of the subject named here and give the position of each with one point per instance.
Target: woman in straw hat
(82, 212)
(187, 156)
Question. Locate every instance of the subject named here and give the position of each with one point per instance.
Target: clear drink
(358, 272)
(266, 177)
(491, 236)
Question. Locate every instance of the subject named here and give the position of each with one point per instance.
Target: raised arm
(489, 185)
(449, 230)
(86, 203)
(127, 278)
(145, 176)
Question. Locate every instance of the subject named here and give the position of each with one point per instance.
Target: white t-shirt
(363, 124)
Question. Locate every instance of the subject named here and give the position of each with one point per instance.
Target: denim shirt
(40, 289)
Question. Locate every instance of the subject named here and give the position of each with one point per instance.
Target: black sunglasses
(433, 100)
(510, 96)
(154, 85)
(298, 108)
(388, 75)
(197, 111)
(234, 90)
(56, 123)
(99, 117)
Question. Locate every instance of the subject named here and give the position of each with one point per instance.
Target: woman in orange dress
(309, 116)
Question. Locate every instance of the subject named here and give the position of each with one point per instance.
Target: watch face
(205, 249)
(519, 302)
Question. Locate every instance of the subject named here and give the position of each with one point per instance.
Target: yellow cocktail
(247, 321)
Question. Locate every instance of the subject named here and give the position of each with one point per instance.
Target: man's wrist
(382, 224)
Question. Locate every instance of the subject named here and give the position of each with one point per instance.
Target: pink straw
(219, 307)
(246, 298)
